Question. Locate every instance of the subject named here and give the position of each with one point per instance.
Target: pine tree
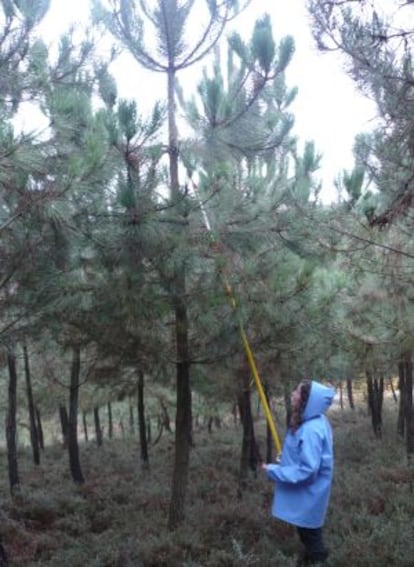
(169, 21)
(377, 44)
(251, 185)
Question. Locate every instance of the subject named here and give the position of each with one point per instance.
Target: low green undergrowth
(118, 518)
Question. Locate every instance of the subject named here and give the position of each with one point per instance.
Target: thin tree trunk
(375, 399)
(379, 390)
(40, 429)
(183, 420)
(85, 426)
(64, 423)
(73, 447)
(249, 456)
(401, 405)
(11, 428)
(196, 420)
(98, 429)
(165, 417)
(110, 422)
(409, 407)
(141, 420)
(269, 440)
(131, 418)
(160, 430)
(350, 393)
(4, 560)
(149, 432)
(34, 437)
(122, 428)
(394, 395)
(243, 404)
(341, 395)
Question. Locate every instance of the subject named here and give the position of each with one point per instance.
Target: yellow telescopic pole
(246, 345)
(253, 368)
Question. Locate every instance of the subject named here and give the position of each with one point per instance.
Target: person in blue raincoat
(303, 477)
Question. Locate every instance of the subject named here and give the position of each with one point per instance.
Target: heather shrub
(118, 518)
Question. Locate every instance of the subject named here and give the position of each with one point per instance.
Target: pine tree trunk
(110, 422)
(243, 401)
(244, 453)
(341, 395)
(350, 393)
(394, 395)
(141, 420)
(73, 447)
(183, 420)
(165, 421)
(4, 560)
(149, 432)
(379, 389)
(401, 405)
(375, 398)
(234, 412)
(11, 427)
(34, 437)
(98, 429)
(40, 429)
(249, 456)
(85, 426)
(64, 424)
(131, 418)
(269, 440)
(409, 408)
(160, 431)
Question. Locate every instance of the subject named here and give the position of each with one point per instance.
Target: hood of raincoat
(320, 398)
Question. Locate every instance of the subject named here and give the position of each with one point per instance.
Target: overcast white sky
(327, 110)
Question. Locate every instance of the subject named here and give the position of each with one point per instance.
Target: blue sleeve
(307, 465)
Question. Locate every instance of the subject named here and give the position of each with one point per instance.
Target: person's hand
(264, 466)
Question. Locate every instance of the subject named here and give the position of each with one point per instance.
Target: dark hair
(296, 417)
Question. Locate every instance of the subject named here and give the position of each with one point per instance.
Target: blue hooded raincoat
(304, 476)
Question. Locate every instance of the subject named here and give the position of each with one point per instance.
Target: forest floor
(118, 518)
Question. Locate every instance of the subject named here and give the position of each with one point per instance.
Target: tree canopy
(122, 231)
